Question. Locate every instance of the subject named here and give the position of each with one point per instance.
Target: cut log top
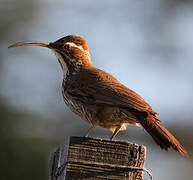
(88, 158)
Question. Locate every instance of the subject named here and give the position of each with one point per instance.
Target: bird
(99, 98)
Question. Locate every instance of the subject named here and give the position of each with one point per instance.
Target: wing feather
(103, 88)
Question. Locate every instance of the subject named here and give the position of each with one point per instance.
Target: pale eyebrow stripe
(74, 45)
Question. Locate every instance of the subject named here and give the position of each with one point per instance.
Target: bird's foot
(89, 130)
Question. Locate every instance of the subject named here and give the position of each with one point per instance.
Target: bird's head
(72, 51)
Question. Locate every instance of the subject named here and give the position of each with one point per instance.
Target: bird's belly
(100, 115)
(82, 110)
(113, 117)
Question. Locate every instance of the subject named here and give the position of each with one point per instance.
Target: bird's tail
(161, 135)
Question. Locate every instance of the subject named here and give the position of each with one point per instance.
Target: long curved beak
(30, 43)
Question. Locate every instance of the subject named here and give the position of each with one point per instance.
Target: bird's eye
(66, 46)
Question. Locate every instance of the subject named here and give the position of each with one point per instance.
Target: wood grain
(96, 159)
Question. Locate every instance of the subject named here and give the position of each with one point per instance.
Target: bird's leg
(115, 132)
(89, 130)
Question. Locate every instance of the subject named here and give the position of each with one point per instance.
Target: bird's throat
(71, 66)
(62, 63)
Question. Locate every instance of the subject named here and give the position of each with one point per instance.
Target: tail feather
(161, 135)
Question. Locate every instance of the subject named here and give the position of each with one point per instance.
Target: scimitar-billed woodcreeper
(98, 97)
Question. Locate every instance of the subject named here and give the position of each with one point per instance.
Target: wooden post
(97, 159)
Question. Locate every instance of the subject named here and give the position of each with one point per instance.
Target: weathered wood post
(96, 159)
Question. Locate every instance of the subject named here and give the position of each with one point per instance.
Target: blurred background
(146, 44)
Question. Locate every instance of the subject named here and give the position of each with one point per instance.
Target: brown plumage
(161, 135)
(101, 99)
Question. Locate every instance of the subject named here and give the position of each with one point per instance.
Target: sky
(147, 45)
